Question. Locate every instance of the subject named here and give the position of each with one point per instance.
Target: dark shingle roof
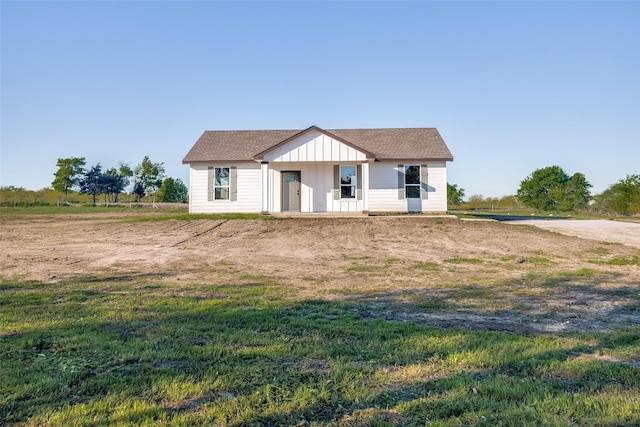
(384, 144)
(398, 143)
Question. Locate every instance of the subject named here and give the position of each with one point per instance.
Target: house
(317, 170)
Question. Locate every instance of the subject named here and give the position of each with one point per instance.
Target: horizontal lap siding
(438, 180)
(383, 189)
(316, 186)
(249, 187)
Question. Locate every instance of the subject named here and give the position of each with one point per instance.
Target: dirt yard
(434, 271)
(627, 233)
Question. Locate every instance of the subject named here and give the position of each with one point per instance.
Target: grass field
(235, 346)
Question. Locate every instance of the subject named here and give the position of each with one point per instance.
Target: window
(221, 184)
(348, 182)
(412, 182)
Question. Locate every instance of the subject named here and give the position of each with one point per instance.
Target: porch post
(365, 187)
(264, 169)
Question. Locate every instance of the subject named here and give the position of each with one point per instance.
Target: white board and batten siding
(316, 188)
(249, 190)
(314, 154)
(383, 189)
(314, 147)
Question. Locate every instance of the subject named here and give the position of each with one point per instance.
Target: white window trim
(354, 184)
(418, 185)
(228, 186)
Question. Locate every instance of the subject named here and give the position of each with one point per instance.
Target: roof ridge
(255, 130)
(387, 128)
(326, 129)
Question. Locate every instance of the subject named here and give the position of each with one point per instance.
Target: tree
(116, 180)
(138, 190)
(576, 193)
(551, 188)
(92, 182)
(172, 191)
(148, 177)
(454, 194)
(623, 197)
(68, 175)
(476, 198)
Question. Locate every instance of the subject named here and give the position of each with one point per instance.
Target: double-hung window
(348, 182)
(412, 181)
(221, 183)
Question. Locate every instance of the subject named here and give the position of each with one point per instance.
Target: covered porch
(314, 172)
(315, 187)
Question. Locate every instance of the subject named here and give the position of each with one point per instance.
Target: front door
(291, 191)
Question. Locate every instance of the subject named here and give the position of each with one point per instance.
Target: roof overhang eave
(415, 159)
(215, 161)
(369, 158)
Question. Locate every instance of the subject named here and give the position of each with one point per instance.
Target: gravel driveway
(626, 233)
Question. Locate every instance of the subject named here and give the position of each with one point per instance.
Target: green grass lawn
(119, 210)
(122, 212)
(134, 350)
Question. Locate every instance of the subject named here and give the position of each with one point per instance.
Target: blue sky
(512, 86)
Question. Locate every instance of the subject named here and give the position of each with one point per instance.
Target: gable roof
(381, 144)
(261, 155)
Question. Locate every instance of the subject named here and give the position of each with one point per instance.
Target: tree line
(552, 189)
(148, 177)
